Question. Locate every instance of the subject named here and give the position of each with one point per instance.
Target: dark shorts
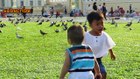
(102, 67)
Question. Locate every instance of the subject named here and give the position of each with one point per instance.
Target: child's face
(97, 26)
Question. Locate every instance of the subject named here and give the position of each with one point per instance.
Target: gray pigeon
(18, 36)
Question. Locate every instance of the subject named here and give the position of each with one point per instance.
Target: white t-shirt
(99, 44)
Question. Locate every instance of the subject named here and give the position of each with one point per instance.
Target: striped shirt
(81, 58)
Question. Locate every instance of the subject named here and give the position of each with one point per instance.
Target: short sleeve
(84, 40)
(91, 50)
(110, 42)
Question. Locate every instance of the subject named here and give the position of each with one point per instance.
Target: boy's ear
(69, 41)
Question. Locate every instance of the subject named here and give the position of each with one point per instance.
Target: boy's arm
(65, 66)
(97, 70)
(112, 55)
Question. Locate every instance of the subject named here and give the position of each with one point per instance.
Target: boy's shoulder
(103, 34)
(83, 46)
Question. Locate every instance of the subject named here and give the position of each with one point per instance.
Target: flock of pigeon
(128, 25)
(40, 21)
(63, 24)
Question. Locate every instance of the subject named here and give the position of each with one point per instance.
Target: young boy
(98, 40)
(79, 60)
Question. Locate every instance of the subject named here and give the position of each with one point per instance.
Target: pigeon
(54, 23)
(65, 27)
(104, 28)
(42, 20)
(129, 24)
(18, 36)
(57, 31)
(62, 24)
(130, 28)
(71, 20)
(2, 25)
(24, 21)
(61, 16)
(12, 21)
(61, 20)
(40, 23)
(57, 25)
(16, 22)
(116, 24)
(113, 22)
(139, 21)
(37, 20)
(0, 31)
(80, 23)
(47, 20)
(85, 28)
(42, 33)
(18, 28)
(51, 24)
(9, 19)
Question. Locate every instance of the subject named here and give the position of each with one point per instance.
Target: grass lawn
(41, 57)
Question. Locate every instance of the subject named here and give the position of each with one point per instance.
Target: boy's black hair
(75, 34)
(94, 16)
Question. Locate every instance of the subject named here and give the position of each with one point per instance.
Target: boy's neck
(95, 33)
(76, 44)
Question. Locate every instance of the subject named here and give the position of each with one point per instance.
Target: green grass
(38, 57)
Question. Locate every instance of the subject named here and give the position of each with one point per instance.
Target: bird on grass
(57, 25)
(116, 24)
(113, 21)
(40, 23)
(104, 28)
(52, 23)
(2, 25)
(80, 23)
(37, 20)
(18, 28)
(42, 20)
(85, 27)
(12, 21)
(57, 31)
(73, 22)
(0, 31)
(139, 21)
(62, 24)
(70, 20)
(9, 19)
(129, 24)
(24, 21)
(65, 27)
(19, 36)
(17, 22)
(47, 20)
(43, 33)
(130, 28)
(61, 16)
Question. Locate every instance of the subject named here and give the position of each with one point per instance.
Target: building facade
(20, 3)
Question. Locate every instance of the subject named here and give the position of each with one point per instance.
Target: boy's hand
(113, 56)
(98, 76)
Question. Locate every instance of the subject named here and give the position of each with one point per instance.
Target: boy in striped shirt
(79, 60)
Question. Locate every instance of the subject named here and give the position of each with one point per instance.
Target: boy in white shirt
(99, 40)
